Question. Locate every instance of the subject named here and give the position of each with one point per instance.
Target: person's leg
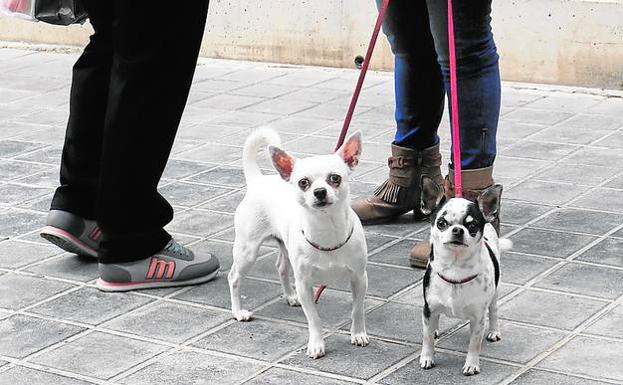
(71, 220)
(87, 107)
(419, 107)
(153, 66)
(478, 75)
(478, 93)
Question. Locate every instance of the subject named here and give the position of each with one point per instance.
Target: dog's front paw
(427, 362)
(243, 315)
(494, 336)
(359, 339)
(315, 349)
(292, 300)
(471, 369)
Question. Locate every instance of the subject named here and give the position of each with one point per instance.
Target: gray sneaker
(175, 265)
(72, 233)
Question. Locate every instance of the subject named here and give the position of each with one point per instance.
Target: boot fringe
(388, 192)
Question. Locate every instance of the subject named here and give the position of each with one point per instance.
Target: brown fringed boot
(474, 183)
(400, 193)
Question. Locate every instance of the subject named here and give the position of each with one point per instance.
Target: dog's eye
(442, 224)
(335, 179)
(304, 184)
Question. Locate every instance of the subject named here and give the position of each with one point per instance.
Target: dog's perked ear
(283, 162)
(350, 151)
(489, 202)
(432, 193)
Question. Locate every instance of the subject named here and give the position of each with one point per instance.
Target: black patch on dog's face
(474, 221)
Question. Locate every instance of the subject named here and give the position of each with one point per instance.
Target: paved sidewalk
(560, 159)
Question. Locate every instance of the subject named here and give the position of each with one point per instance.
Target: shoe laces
(174, 247)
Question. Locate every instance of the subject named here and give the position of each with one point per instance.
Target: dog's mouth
(455, 243)
(321, 204)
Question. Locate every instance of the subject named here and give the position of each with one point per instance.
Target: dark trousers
(417, 33)
(128, 93)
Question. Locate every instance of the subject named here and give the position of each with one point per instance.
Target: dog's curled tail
(505, 244)
(263, 136)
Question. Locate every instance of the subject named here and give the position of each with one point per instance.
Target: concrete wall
(570, 42)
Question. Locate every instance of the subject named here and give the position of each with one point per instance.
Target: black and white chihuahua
(463, 272)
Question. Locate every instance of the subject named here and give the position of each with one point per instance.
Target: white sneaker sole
(127, 286)
(67, 241)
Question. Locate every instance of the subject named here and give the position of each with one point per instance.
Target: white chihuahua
(306, 209)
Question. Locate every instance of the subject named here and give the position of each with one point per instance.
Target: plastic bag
(60, 12)
(22, 9)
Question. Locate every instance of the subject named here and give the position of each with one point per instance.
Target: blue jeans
(417, 34)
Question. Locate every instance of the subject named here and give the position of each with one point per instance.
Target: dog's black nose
(457, 231)
(320, 193)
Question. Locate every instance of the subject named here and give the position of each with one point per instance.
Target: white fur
(468, 301)
(277, 209)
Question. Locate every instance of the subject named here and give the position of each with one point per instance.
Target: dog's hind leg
(245, 254)
(285, 270)
(430, 323)
(494, 330)
(359, 286)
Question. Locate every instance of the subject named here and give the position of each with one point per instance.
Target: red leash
(454, 100)
(456, 143)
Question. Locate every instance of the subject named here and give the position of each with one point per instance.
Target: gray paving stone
(192, 368)
(400, 322)
(520, 343)
(588, 280)
(519, 268)
(598, 122)
(99, 355)
(517, 167)
(20, 291)
(520, 213)
(613, 141)
(11, 148)
(447, 371)
(401, 227)
(578, 174)
(566, 102)
(375, 241)
(537, 377)
(397, 254)
(609, 106)
(13, 194)
(370, 360)
(608, 325)
(11, 170)
(47, 178)
(90, 306)
(278, 376)
(602, 199)
(201, 223)
(227, 203)
(582, 221)
(594, 156)
(539, 149)
(384, 281)
(549, 243)
(168, 321)
(259, 339)
(49, 155)
(216, 293)
(20, 375)
(178, 169)
(334, 308)
(213, 153)
(549, 309)
(22, 335)
(15, 254)
(607, 252)
(187, 194)
(545, 192)
(74, 267)
(576, 135)
(531, 115)
(227, 176)
(587, 356)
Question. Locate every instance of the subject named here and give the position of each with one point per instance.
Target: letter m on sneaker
(160, 268)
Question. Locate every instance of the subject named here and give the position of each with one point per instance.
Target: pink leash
(453, 92)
